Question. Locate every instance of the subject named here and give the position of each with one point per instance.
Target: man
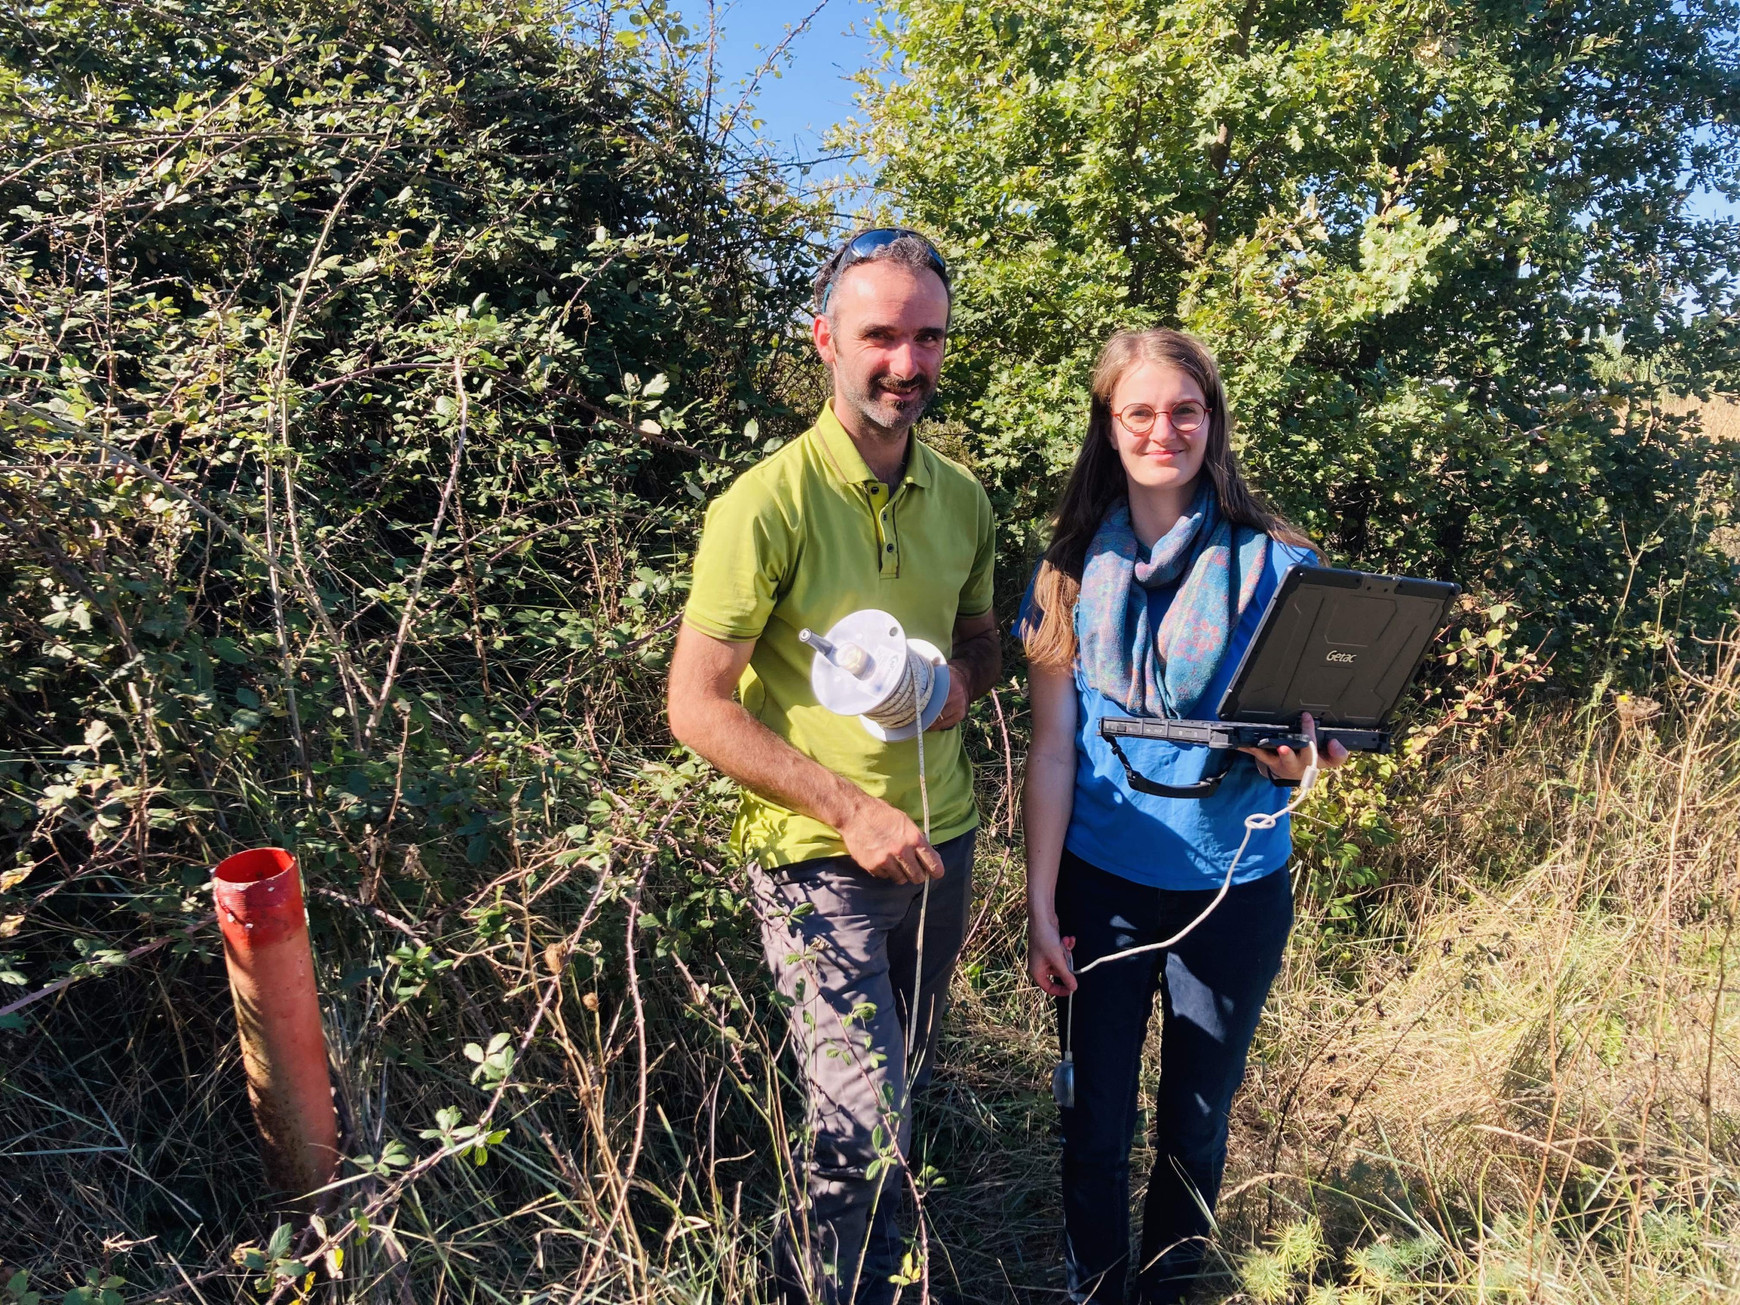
(853, 514)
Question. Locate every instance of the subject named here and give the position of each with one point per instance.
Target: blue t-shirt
(1178, 843)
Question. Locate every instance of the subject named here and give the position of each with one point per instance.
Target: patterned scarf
(1216, 566)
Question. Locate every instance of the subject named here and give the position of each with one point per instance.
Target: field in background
(1720, 416)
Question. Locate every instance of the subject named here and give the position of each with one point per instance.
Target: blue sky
(814, 91)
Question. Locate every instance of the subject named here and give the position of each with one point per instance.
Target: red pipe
(259, 907)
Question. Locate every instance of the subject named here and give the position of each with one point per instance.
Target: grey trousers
(842, 945)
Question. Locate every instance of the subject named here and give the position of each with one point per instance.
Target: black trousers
(1212, 987)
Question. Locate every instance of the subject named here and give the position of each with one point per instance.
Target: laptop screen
(1342, 645)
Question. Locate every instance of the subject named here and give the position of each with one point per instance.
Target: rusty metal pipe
(258, 895)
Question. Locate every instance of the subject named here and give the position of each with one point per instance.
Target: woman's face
(1163, 458)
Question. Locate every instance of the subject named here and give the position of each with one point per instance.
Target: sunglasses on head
(865, 244)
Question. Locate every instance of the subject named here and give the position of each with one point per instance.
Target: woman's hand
(1288, 765)
(1048, 958)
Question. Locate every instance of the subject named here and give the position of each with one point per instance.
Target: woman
(1160, 566)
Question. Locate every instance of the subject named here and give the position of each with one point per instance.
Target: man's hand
(974, 665)
(1288, 765)
(704, 672)
(885, 841)
(955, 708)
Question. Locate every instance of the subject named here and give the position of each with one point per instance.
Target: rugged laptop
(1342, 645)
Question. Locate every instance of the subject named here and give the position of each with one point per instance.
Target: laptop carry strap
(1142, 784)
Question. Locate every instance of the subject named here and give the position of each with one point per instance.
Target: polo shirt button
(891, 548)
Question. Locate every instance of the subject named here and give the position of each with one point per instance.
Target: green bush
(365, 371)
(1445, 251)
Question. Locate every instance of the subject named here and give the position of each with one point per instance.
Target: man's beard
(893, 403)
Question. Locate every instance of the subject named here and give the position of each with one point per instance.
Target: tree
(365, 368)
(359, 361)
(1438, 247)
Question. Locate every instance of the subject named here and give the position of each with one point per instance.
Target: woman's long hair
(1097, 482)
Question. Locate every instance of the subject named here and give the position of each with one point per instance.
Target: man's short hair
(903, 247)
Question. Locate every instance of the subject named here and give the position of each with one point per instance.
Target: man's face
(882, 337)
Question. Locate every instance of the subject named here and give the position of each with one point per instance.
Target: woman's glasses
(1139, 418)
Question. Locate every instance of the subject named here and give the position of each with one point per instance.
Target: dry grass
(1530, 1059)
(1720, 416)
(1510, 1074)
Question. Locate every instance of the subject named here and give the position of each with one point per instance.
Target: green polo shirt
(805, 537)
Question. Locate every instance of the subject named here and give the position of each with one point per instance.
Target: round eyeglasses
(865, 244)
(1139, 418)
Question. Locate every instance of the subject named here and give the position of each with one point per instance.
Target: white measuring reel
(865, 666)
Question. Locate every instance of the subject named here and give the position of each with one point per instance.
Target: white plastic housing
(883, 642)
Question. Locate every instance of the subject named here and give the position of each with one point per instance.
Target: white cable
(905, 706)
(1063, 1077)
(923, 897)
(1253, 822)
(908, 699)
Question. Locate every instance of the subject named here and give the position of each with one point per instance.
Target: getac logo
(1340, 657)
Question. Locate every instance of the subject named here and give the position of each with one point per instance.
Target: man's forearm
(757, 758)
(978, 659)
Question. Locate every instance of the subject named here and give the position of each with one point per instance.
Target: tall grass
(1719, 416)
(1520, 1082)
(1505, 1071)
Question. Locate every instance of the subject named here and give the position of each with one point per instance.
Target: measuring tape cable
(1063, 1077)
(860, 646)
(910, 697)
(904, 707)
(1256, 821)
